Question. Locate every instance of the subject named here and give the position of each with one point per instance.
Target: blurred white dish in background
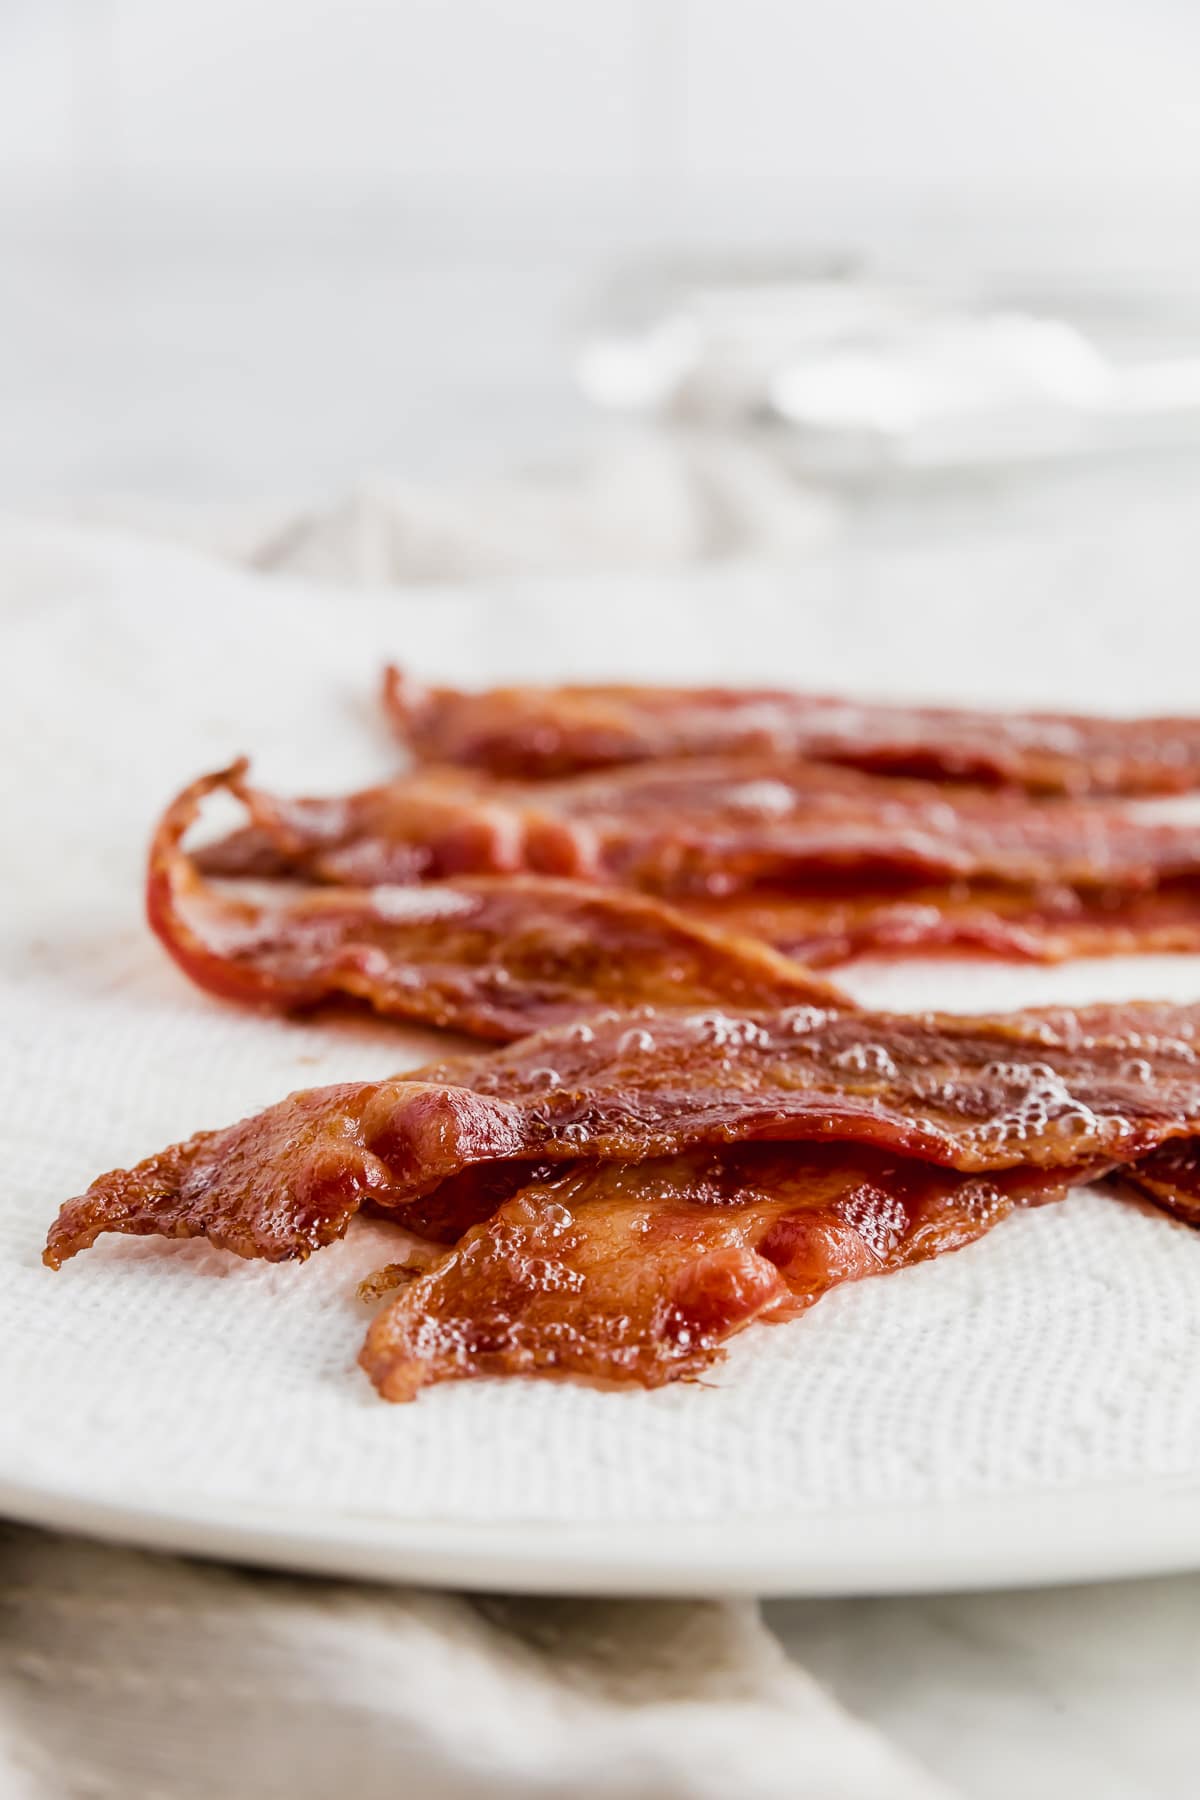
(869, 373)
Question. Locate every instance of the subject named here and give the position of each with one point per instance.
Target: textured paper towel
(1062, 1351)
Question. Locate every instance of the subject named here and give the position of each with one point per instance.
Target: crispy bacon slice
(828, 926)
(638, 1273)
(495, 957)
(1035, 1090)
(704, 830)
(547, 731)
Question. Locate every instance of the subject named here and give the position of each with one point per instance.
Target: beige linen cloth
(152, 1678)
(149, 1678)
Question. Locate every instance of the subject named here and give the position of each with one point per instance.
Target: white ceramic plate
(984, 1544)
(1026, 1411)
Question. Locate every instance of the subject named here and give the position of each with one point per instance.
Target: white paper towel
(1061, 1353)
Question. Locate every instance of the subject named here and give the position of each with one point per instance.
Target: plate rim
(1047, 1538)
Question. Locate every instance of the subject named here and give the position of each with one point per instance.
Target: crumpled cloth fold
(655, 501)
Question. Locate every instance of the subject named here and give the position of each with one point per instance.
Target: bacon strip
(1036, 923)
(1036, 1090)
(871, 867)
(495, 957)
(704, 830)
(287, 1181)
(622, 1197)
(639, 1273)
(547, 731)
(1170, 1177)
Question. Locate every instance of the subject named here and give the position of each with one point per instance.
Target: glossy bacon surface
(638, 1273)
(1036, 1090)
(497, 957)
(703, 829)
(541, 731)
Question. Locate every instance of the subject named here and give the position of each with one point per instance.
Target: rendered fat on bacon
(704, 830)
(496, 957)
(547, 731)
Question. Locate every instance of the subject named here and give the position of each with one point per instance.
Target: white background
(371, 233)
(900, 94)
